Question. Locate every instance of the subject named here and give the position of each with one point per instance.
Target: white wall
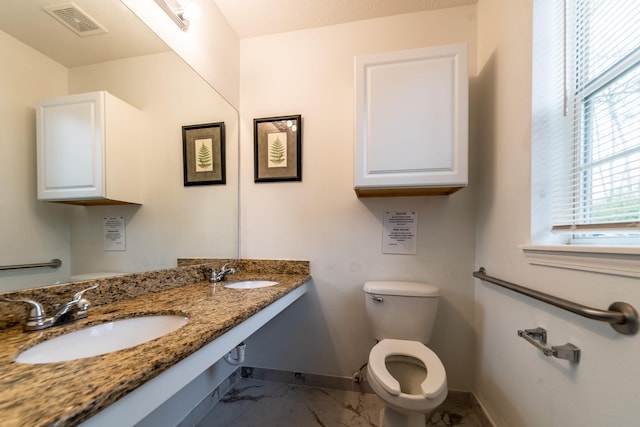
(174, 221)
(518, 385)
(320, 219)
(32, 231)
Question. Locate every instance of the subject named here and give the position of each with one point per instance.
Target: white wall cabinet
(411, 122)
(89, 150)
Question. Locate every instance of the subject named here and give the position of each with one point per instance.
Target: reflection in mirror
(46, 59)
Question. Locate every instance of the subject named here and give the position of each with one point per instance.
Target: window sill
(616, 261)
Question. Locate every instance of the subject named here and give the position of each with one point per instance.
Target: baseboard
(301, 378)
(478, 408)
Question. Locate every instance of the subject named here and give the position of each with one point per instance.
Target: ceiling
(127, 36)
(250, 18)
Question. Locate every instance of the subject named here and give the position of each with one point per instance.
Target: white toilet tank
(401, 310)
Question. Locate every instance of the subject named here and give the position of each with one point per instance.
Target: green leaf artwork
(204, 161)
(276, 155)
(277, 150)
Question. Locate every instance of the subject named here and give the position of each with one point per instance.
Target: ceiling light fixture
(181, 15)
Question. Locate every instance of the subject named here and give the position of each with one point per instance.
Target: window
(589, 120)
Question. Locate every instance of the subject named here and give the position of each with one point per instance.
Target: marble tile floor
(253, 403)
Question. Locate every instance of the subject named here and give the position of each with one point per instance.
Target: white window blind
(597, 181)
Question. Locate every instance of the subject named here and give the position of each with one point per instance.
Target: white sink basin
(101, 339)
(250, 284)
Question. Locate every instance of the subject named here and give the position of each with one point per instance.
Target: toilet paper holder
(538, 338)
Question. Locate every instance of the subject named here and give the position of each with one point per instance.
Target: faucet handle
(37, 312)
(36, 319)
(78, 295)
(231, 270)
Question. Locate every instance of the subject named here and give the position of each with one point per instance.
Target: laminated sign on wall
(113, 232)
(400, 233)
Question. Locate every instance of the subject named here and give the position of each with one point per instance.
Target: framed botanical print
(203, 154)
(278, 149)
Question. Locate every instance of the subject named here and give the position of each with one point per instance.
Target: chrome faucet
(219, 276)
(77, 308)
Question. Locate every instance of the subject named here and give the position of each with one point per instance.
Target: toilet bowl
(410, 379)
(406, 374)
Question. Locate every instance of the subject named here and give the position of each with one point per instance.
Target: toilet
(406, 374)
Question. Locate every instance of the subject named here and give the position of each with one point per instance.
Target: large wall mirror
(42, 58)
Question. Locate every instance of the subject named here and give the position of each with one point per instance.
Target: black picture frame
(203, 148)
(277, 148)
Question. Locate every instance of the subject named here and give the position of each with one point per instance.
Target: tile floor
(252, 403)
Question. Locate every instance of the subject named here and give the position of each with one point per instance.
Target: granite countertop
(67, 393)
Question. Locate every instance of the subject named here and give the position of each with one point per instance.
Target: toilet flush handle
(376, 298)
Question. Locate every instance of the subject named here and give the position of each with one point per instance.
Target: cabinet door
(411, 118)
(70, 138)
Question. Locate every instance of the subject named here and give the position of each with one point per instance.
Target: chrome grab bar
(622, 316)
(54, 263)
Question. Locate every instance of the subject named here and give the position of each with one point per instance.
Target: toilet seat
(433, 385)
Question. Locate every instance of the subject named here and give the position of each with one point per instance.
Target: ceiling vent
(75, 19)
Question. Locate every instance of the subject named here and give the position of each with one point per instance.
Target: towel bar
(538, 337)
